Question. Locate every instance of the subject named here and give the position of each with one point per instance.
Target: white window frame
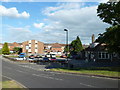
(92, 55)
(105, 57)
(86, 54)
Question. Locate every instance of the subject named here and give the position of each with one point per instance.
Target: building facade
(33, 47)
(54, 48)
(99, 53)
(13, 45)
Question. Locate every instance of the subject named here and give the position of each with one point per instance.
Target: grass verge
(11, 84)
(103, 71)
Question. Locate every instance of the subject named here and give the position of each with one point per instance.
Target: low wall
(83, 63)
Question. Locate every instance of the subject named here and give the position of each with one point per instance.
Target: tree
(5, 49)
(17, 50)
(66, 49)
(0, 51)
(110, 13)
(76, 46)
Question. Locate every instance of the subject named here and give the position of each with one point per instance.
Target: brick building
(54, 48)
(33, 47)
(15, 44)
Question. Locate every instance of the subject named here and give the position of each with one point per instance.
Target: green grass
(12, 56)
(58, 56)
(11, 84)
(104, 71)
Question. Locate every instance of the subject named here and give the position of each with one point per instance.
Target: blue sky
(34, 9)
(45, 21)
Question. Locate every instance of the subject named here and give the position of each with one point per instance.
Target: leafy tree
(5, 49)
(112, 38)
(110, 13)
(0, 51)
(17, 50)
(66, 49)
(76, 46)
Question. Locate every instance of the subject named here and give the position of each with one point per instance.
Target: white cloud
(5, 0)
(16, 33)
(77, 18)
(13, 12)
(38, 25)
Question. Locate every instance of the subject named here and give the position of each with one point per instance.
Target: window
(114, 55)
(92, 55)
(103, 55)
(85, 54)
(107, 55)
(100, 55)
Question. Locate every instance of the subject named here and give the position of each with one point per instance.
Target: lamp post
(66, 42)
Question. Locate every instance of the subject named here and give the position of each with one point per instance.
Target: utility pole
(67, 43)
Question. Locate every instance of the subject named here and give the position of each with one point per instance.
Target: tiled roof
(1, 44)
(10, 44)
(20, 43)
(99, 47)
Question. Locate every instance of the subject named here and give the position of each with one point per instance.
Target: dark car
(63, 56)
(38, 56)
(31, 56)
(45, 59)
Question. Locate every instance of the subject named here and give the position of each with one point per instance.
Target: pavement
(31, 77)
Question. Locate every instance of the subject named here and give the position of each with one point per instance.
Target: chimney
(93, 38)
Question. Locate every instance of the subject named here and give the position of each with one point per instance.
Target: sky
(46, 21)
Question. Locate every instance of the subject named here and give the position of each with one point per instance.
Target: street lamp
(66, 42)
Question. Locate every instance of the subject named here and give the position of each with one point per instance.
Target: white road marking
(20, 71)
(46, 76)
(87, 85)
(86, 76)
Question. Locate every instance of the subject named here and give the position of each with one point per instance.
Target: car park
(63, 56)
(32, 60)
(37, 56)
(45, 59)
(53, 59)
(31, 56)
(21, 55)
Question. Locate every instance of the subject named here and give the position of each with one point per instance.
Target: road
(34, 78)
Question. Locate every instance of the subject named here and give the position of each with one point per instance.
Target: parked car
(63, 56)
(53, 59)
(38, 56)
(31, 56)
(52, 55)
(45, 59)
(21, 55)
(48, 55)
